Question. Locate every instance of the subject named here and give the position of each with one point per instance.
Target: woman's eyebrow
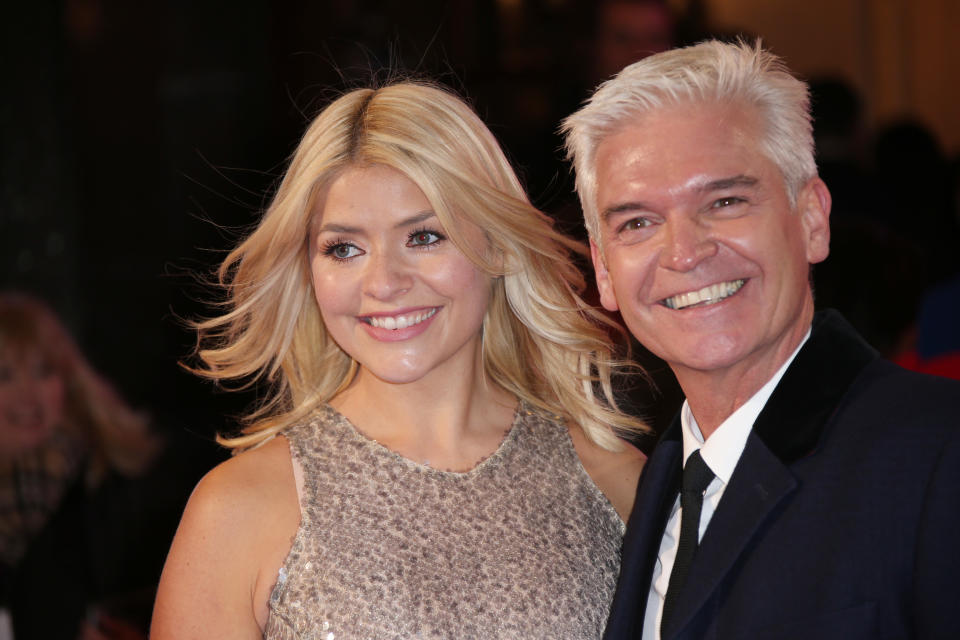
(416, 218)
(336, 227)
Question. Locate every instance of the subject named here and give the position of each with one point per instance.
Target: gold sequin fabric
(524, 545)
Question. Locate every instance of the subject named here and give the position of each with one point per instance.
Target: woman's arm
(233, 538)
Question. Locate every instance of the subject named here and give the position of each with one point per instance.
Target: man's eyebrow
(609, 212)
(726, 183)
(741, 180)
(336, 227)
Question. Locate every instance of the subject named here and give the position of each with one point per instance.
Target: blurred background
(140, 140)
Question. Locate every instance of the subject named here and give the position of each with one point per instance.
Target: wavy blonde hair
(541, 341)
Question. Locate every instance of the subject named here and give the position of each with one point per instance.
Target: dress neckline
(491, 460)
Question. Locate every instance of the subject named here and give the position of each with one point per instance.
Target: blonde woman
(439, 455)
(63, 430)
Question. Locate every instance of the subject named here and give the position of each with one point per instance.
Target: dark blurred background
(140, 138)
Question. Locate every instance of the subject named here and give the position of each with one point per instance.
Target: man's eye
(727, 202)
(634, 224)
(423, 238)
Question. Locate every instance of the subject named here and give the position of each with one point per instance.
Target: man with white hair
(808, 488)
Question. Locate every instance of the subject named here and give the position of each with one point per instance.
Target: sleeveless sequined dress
(524, 545)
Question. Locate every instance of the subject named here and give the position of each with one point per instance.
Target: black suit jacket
(841, 519)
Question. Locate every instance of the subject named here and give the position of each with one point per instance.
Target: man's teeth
(708, 295)
(399, 322)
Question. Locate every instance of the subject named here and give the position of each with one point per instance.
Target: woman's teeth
(399, 322)
(708, 295)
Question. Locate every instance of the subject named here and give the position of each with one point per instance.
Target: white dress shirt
(721, 452)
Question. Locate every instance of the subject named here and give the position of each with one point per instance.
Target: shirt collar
(722, 450)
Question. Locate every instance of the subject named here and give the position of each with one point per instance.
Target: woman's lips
(400, 326)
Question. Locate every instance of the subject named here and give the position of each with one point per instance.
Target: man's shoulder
(839, 394)
(873, 384)
(892, 402)
(894, 385)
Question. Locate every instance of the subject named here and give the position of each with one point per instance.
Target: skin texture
(399, 261)
(235, 532)
(376, 249)
(687, 199)
(31, 402)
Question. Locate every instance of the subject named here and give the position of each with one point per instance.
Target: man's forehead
(691, 147)
(681, 111)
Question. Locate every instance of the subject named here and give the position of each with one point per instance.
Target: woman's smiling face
(32, 397)
(393, 291)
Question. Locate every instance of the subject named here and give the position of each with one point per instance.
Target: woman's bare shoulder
(234, 535)
(238, 494)
(254, 474)
(616, 473)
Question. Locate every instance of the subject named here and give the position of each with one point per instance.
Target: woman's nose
(386, 276)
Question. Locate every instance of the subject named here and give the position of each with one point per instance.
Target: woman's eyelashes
(341, 249)
(424, 238)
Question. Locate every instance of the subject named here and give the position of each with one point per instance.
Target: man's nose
(386, 276)
(687, 243)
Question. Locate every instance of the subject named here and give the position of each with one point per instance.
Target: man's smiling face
(700, 248)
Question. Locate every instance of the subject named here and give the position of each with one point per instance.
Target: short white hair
(709, 72)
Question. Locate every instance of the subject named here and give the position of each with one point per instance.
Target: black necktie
(696, 478)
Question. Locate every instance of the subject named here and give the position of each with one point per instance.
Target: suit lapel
(794, 418)
(790, 427)
(759, 483)
(656, 493)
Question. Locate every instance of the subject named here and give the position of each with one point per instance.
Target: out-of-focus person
(63, 430)
(630, 30)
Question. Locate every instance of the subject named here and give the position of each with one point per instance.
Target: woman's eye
(341, 250)
(423, 238)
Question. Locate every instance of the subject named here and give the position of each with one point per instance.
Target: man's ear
(607, 297)
(813, 205)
